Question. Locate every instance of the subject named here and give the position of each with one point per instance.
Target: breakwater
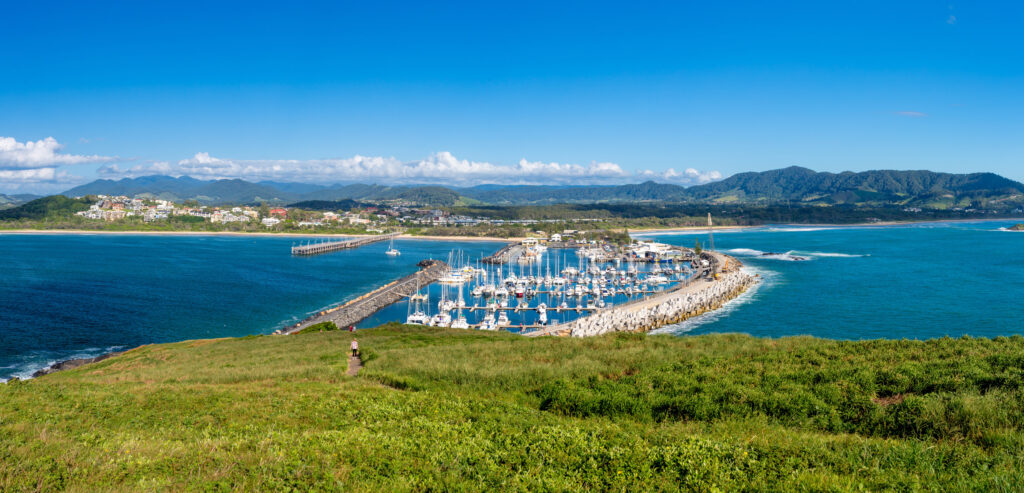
(702, 295)
(357, 310)
(332, 246)
(505, 255)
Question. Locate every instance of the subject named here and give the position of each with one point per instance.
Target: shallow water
(910, 281)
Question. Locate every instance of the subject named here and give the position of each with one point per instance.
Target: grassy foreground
(461, 410)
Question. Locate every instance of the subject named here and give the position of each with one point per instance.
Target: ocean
(917, 281)
(74, 296)
(70, 296)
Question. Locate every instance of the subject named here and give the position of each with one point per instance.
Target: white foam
(828, 254)
(42, 360)
(745, 251)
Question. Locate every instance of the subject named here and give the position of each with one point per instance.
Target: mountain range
(7, 201)
(793, 185)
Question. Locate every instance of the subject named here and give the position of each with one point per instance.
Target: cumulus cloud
(36, 165)
(39, 154)
(439, 168)
(689, 176)
(912, 114)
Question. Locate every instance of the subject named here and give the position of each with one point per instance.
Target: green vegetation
(1017, 227)
(319, 327)
(54, 207)
(460, 410)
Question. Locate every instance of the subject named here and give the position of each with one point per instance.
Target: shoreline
(406, 236)
(244, 233)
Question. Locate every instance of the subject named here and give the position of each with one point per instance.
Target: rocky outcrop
(1016, 227)
(72, 364)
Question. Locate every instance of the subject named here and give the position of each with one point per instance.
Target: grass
(460, 410)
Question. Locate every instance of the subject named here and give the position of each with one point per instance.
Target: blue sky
(517, 92)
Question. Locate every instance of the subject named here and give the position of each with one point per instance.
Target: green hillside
(879, 187)
(473, 411)
(52, 207)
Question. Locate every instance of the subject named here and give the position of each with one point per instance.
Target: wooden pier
(359, 309)
(331, 246)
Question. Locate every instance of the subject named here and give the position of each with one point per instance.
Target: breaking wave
(790, 256)
(828, 254)
(38, 360)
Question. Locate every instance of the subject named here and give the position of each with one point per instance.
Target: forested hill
(798, 184)
(793, 185)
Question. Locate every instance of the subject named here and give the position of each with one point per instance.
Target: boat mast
(711, 233)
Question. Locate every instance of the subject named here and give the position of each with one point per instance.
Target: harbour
(517, 290)
(251, 285)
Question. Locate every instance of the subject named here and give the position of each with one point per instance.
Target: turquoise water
(64, 296)
(919, 281)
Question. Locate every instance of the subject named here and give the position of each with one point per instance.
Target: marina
(543, 290)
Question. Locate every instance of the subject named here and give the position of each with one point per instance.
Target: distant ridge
(794, 185)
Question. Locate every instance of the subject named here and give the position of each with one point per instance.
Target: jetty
(332, 246)
(359, 309)
(505, 255)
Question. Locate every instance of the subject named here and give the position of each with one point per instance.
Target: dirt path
(355, 363)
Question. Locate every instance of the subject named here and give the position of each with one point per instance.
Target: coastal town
(369, 217)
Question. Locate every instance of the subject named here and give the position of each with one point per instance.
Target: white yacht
(392, 251)
(503, 320)
(442, 319)
(460, 322)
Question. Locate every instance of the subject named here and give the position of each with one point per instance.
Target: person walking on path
(351, 328)
(355, 347)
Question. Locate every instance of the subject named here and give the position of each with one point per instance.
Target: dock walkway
(331, 246)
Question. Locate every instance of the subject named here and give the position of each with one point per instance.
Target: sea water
(915, 281)
(69, 296)
(74, 296)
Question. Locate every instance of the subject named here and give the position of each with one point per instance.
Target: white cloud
(439, 168)
(689, 176)
(39, 154)
(951, 20)
(37, 180)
